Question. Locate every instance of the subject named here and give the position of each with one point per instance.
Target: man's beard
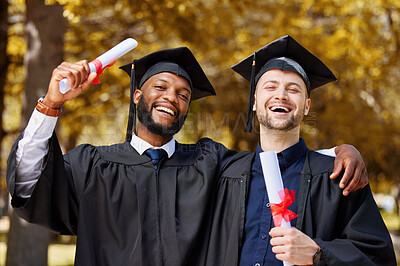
(271, 123)
(145, 117)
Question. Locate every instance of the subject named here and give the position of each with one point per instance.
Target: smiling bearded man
(145, 116)
(327, 228)
(279, 113)
(147, 201)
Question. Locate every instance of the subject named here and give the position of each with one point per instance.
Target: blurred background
(358, 39)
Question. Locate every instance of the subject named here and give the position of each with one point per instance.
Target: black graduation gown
(350, 229)
(125, 214)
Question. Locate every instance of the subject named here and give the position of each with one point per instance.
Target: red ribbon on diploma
(280, 210)
(99, 69)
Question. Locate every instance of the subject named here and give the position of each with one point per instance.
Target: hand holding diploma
(104, 60)
(274, 184)
(74, 78)
(290, 245)
(279, 197)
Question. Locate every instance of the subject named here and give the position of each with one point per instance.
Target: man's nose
(281, 93)
(170, 95)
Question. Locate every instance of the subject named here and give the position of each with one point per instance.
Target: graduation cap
(179, 61)
(284, 53)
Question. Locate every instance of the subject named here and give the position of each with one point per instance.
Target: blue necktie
(156, 155)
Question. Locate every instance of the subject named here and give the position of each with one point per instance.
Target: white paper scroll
(273, 182)
(103, 60)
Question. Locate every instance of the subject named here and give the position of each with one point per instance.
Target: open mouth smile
(165, 110)
(280, 109)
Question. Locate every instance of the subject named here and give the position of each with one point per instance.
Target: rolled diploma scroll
(273, 181)
(104, 60)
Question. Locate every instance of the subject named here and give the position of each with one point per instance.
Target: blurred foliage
(359, 40)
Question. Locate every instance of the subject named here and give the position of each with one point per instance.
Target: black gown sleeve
(218, 152)
(348, 229)
(363, 238)
(54, 202)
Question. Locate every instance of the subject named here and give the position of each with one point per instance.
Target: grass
(392, 220)
(61, 255)
(58, 254)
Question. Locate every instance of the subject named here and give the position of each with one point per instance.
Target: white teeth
(280, 107)
(165, 109)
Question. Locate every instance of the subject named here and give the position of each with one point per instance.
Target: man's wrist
(51, 104)
(318, 258)
(47, 110)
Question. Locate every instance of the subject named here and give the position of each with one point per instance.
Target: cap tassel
(249, 121)
(132, 107)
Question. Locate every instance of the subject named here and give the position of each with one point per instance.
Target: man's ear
(307, 107)
(136, 96)
(254, 103)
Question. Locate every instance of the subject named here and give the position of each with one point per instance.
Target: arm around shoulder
(349, 160)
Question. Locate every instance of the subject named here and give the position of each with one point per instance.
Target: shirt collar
(290, 155)
(141, 145)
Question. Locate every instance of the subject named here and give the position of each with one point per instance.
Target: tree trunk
(3, 72)
(3, 61)
(3, 46)
(45, 27)
(27, 243)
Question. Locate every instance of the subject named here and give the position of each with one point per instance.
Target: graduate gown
(193, 211)
(124, 213)
(349, 229)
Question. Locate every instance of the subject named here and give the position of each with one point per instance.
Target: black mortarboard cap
(280, 54)
(180, 61)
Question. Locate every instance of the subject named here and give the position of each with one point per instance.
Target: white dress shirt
(141, 146)
(32, 149)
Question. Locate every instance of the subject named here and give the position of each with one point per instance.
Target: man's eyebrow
(293, 83)
(270, 81)
(166, 81)
(189, 90)
(163, 80)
